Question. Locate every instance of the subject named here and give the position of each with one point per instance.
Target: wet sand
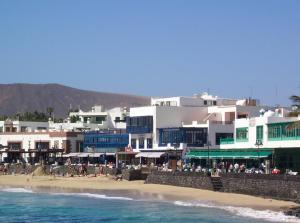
(139, 189)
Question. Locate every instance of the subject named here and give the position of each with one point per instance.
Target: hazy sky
(155, 48)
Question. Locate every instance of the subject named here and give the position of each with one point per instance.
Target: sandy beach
(152, 191)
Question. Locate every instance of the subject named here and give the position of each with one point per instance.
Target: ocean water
(18, 205)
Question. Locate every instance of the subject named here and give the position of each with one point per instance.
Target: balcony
(222, 122)
(226, 141)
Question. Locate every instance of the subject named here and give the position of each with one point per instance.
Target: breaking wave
(16, 190)
(267, 215)
(95, 196)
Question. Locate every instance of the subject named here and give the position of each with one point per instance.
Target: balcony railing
(225, 141)
(138, 129)
(222, 122)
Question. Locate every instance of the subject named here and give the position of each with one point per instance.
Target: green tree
(295, 112)
(50, 111)
(74, 119)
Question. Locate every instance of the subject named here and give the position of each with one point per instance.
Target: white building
(186, 122)
(269, 128)
(23, 146)
(20, 138)
(22, 126)
(272, 132)
(94, 120)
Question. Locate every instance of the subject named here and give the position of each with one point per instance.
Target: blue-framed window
(100, 140)
(191, 136)
(139, 125)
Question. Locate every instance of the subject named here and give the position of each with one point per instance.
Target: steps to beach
(216, 183)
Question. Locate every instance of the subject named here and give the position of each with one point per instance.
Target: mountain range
(20, 98)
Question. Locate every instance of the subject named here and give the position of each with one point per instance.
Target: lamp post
(208, 160)
(105, 163)
(40, 153)
(258, 143)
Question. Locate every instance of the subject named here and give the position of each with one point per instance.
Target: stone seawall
(181, 179)
(273, 186)
(133, 175)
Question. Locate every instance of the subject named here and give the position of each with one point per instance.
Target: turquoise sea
(24, 205)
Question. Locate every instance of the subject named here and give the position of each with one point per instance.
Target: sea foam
(266, 215)
(95, 196)
(16, 190)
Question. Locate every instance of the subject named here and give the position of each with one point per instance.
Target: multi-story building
(272, 135)
(94, 120)
(181, 123)
(22, 126)
(24, 146)
(97, 129)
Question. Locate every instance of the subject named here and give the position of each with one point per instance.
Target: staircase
(216, 183)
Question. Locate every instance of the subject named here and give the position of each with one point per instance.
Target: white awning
(70, 155)
(95, 154)
(84, 154)
(87, 154)
(150, 154)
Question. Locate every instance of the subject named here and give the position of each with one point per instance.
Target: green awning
(230, 153)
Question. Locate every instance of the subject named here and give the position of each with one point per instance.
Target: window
(283, 131)
(259, 133)
(56, 144)
(242, 134)
(205, 102)
(274, 131)
(191, 136)
(139, 125)
(42, 145)
(141, 143)
(23, 128)
(41, 128)
(133, 143)
(99, 119)
(226, 137)
(214, 102)
(149, 143)
(14, 145)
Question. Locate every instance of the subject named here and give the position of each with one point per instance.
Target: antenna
(251, 92)
(276, 96)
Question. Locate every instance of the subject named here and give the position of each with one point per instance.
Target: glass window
(133, 143)
(259, 132)
(141, 143)
(242, 134)
(149, 143)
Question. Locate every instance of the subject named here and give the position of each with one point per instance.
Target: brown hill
(19, 98)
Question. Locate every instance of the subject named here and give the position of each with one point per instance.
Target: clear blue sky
(155, 48)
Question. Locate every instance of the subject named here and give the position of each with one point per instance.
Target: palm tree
(296, 111)
(50, 111)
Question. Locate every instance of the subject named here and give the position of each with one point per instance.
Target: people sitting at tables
(275, 171)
